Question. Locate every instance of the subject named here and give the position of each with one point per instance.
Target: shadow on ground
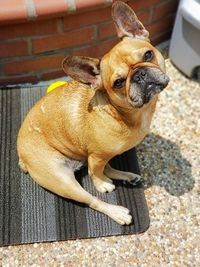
(161, 163)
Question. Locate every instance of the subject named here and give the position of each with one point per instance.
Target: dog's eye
(148, 55)
(119, 83)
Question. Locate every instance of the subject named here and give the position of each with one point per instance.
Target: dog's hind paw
(120, 214)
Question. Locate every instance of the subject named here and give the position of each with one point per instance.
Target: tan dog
(106, 111)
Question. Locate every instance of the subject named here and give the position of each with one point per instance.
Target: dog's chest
(129, 137)
(135, 135)
(145, 122)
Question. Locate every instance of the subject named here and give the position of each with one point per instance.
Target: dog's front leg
(96, 167)
(130, 177)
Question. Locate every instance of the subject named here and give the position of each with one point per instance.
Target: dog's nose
(139, 75)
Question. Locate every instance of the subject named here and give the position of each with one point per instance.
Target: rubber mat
(29, 213)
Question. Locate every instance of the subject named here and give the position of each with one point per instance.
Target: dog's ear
(83, 69)
(126, 22)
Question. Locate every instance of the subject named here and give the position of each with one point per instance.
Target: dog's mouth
(145, 83)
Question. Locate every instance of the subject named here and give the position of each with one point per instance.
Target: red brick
(28, 29)
(161, 38)
(96, 50)
(18, 79)
(68, 39)
(36, 64)
(106, 30)
(165, 9)
(53, 74)
(87, 18)
(85, 5)
(164, 25)
(142, 4)
(144, 17)
(19, 48)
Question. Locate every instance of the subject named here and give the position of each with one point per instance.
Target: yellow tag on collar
(54, 85)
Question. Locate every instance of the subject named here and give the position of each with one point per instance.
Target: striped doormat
(29, 213)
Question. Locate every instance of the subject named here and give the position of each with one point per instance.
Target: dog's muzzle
(146, 82)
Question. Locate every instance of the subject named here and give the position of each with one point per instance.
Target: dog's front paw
(135, 179)
(103, 185)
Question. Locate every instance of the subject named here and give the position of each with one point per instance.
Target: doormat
(29, 213)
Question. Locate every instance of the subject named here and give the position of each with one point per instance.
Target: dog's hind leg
(22, 166)
(51, 172)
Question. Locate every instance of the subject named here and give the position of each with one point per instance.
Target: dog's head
(132, 72)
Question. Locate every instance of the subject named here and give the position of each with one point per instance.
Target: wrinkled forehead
(130, 51)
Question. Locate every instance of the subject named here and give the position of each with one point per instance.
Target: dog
(106, 110)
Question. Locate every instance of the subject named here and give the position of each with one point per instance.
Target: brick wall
(33, 51)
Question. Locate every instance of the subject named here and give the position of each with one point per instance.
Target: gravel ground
(170, 164)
